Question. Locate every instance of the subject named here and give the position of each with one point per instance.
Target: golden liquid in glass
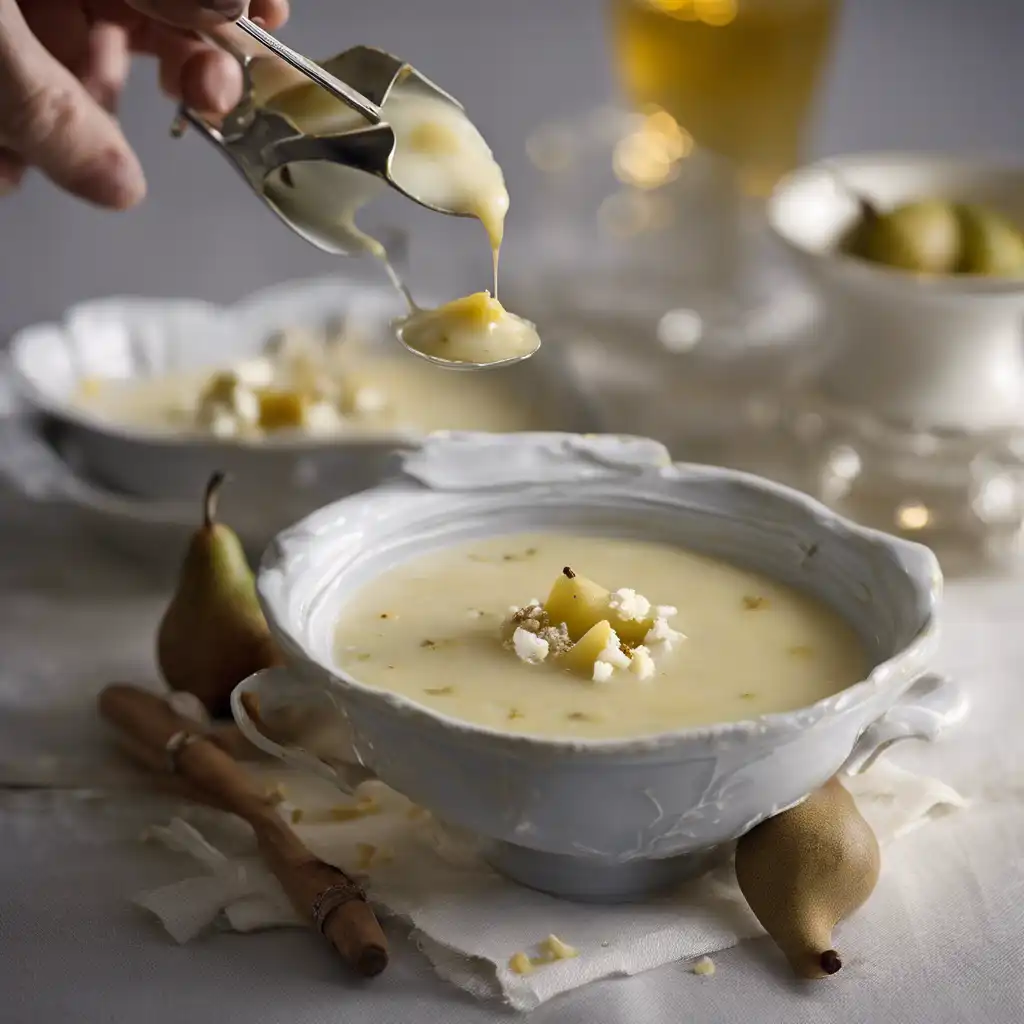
(738, 75)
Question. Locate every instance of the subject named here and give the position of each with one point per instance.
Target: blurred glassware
(622, 256)
(961, 494)
(646, 249)
(737, 79)
(739, 76)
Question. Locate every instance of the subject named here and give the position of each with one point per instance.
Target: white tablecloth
(945, 946)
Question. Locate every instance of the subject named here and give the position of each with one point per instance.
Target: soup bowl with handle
(597, 819)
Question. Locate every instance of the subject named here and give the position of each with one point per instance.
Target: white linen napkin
(466, 919)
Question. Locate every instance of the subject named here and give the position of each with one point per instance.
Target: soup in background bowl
(152, 396)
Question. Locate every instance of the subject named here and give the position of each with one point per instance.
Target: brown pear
(805, 870)
(213, 633)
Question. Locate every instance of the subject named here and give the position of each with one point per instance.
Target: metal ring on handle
(333, 897)
(176, 744)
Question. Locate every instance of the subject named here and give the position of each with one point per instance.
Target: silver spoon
(262, 143)
(398, 326)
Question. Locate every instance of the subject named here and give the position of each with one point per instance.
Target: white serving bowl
(598, 819)
(285, 477)
(939, 352)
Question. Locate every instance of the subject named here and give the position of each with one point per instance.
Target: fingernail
(230, 9)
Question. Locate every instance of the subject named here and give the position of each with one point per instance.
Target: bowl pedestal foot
(590, 880)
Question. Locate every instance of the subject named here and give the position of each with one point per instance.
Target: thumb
(51, 122)
(192, 14)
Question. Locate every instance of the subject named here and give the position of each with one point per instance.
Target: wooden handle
(143, 715)
(352, 928)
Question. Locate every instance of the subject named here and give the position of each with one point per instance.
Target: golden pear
(213, 633)
(581, 604)
(583, 654)
(578, 602)
(805, 870)
(990, 244)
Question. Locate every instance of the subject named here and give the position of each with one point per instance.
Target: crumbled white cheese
(222, 424)
(665, 611)
(255, 373)
(641, 664)
(662, 633)
(529, 647)
(530, 610)
(602, 671)
(227, 406)
(368, 400)
(629, 605)
(613, 654)
(322, 418)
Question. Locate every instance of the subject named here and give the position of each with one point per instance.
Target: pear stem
(211, 496)
(830, 962)
(568, 573)
(868, 207)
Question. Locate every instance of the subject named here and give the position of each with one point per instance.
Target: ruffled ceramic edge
(303, 562)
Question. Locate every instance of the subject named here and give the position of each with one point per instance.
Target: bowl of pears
(920, 261)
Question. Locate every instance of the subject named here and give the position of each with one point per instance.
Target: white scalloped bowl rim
(787, 204)
(916, 560)
(367, 301)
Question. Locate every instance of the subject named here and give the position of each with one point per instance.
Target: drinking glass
(739, 76)
(643, 248)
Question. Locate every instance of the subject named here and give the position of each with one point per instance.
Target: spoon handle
(337, 88)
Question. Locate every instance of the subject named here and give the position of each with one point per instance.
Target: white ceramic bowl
(600, 819)
(285, 477)
(928, 352)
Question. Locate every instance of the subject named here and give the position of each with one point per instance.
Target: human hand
(63, 64)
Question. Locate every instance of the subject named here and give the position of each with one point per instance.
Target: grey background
(933, 74)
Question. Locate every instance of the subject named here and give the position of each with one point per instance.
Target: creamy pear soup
(555, 634)
(314, 387)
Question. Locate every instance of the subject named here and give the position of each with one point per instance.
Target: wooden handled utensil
(162, 739)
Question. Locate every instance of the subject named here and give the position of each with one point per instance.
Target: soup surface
(432, 630)
(317, 389)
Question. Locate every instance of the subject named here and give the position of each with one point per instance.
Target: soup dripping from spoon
(318, 142)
